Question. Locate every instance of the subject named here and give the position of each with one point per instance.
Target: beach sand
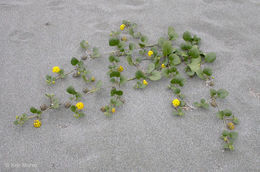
(143, 135)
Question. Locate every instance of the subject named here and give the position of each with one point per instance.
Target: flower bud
(67, 105)
(43, 107)
(85, 90)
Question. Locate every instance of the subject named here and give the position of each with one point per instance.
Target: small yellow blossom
(120, 69)
(93, 78)
(37, 123)
(78, 72)
(80, 105)
(55, 69)
(145, 82)
(225, 139)
(213, 77)
(122, 27)
(113, 110)
(163, 66)
(53, 82)
(124, 38)
(231, 126)
(176, 102)
(150, 53)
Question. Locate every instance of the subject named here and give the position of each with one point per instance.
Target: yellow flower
(113, 110)
(122, 27)
(55, 69)
(37, 123)
(53, 82)
(176, 102)
(145, 82)
(120, 69)
(231, 126)
(93, 79)
(124, 38)
(80, 105)
(150, 53)
(225, 139)
(163, 66)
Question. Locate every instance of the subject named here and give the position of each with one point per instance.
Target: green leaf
(71, 90)
(161, 41)
(144, 39)
(139, 74)
(150, 68)
(235, 120)
(114, 41)
(227, 112)
(99, 84)
(48, 77)
(33, 110)
(207, 71)
(131, 46)
(220, 115)
(187, 36)
(210, 57)
(119, 93)
(116, 92)
(155, 75)
(186, 46)
(74, 61)
(178, 80)
(167, 48)
(172, 34)
(73, 108)
(123, 80)
(225, 133)
(176, 59)
(222, 93)
(113, 59)
(213, 92)
(200, 74)
(55, 103)
(95, 53)
(114, 74)
(195, 64)
(84, 45)
(129, 60)
(194, 52)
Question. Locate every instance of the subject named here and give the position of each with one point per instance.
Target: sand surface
(143, 135)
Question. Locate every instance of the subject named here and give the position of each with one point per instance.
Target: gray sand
(143, 135)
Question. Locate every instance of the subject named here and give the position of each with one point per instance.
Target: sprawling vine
(163, 57)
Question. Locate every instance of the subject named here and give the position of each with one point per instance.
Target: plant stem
(131, 79)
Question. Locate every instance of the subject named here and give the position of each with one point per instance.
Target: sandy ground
(143, 135)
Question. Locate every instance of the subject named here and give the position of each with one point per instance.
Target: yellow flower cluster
(37, 123)
(113, 110)
(80, 105)
(93, 79)
(176, 102)
(55, 69)
(145, 82)
(120, 69)
(122, 27)
(163, 66)
(150, 53)
(231, 126)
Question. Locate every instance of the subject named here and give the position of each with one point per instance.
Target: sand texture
(143, 135)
